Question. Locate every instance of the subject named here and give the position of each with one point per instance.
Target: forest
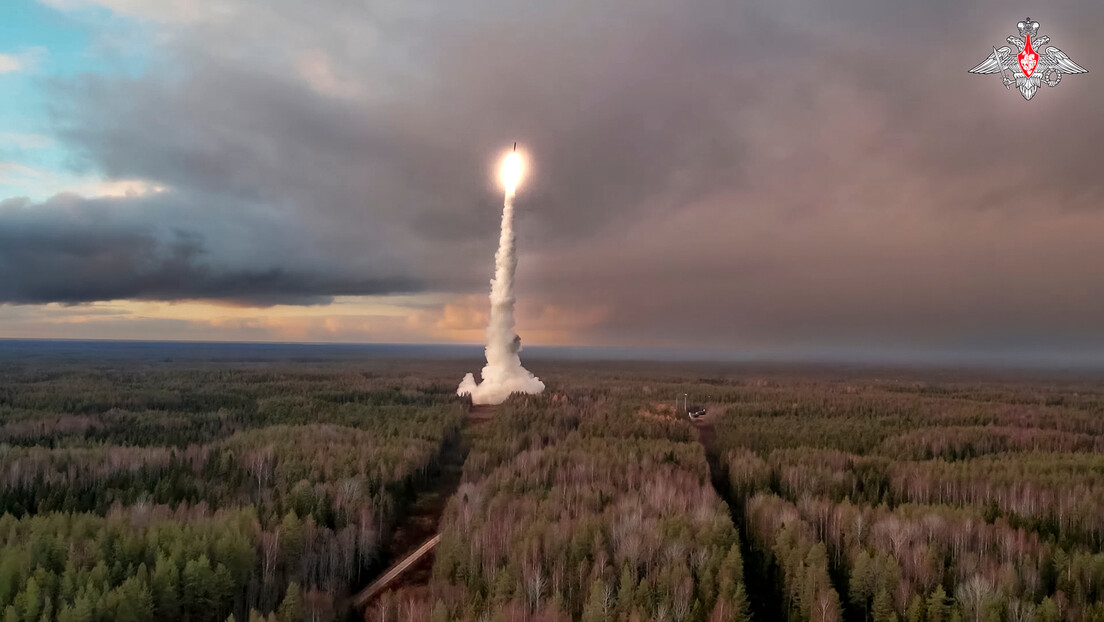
(270, 487)
(131, 491)
(923, 501)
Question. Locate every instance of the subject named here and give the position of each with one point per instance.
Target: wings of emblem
(1027, 69)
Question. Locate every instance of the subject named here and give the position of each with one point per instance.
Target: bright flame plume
(511, 171)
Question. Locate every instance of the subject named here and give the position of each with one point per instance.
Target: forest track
(422, 522)
(764, 599)
(379, 585)
(419, 526)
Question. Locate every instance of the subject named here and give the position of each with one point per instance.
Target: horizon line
(901, 357)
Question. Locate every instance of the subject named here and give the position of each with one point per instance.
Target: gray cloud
(72, 250)
(818, 173)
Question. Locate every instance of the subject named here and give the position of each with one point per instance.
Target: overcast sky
(766, 177)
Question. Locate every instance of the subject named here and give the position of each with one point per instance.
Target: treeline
(190, 406)
(154, 564)
(1055, 494)
(323, 470)
(80, 567)
(882, 502)
(197, 494)
(603, 514)
(167, 492)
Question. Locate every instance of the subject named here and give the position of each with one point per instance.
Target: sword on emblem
(1007, 83)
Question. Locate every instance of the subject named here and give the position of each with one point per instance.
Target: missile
(515, 145)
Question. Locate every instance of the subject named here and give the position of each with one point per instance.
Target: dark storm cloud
(818, 172)
(74, 250)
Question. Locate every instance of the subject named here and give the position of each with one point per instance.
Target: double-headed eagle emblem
(1029, 69)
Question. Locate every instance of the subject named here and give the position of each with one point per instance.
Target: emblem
(1034, 69)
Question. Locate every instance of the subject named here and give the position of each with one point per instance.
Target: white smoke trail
(503, 374)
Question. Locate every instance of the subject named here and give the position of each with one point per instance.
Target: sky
(778, 178)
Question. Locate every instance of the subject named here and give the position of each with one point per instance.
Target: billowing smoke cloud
(503, 375)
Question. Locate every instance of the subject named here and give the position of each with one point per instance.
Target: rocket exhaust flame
(503, 374)
(511, 171)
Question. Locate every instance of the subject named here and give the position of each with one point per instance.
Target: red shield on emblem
(1029, 60)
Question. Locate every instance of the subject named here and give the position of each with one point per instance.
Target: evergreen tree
(163, 586)
(440, 612)
(47, 610)
(9, 579)
(595, 609)
(291, 609)
(503, 586)
(291, 539)
(198, 589)
(937, 605)
(79, 611)
(916, 609)
(862, 581)
(882, 608)
(29, 601)
(731, 572)
(741, 609)
(625, 590)
(1048, 611)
